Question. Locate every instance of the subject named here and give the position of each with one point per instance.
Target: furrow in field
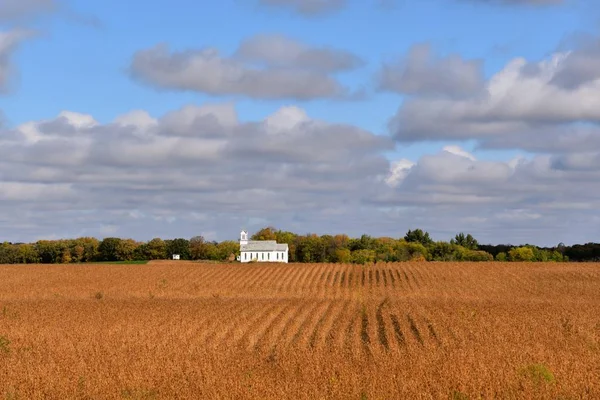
(334, 337)
(398, 334)
(392, 279)
(419, 274)
(335, 278)
(350, 277)
(407, 280)
(226, 278)
(310, 282)
(329, 273)
(415, 279)
(274, 280)
(229, 336)
(414, 329)
(351, 331)
(314, 336)
(294, 275)
(256, 271)
(250, 327)
(227, 325)
(303, 332)
(265, 326)
(209, 279)
(381, 328)
(268, 339)
(213, 319)
(301, 282)
(282, 332)
(365, 336)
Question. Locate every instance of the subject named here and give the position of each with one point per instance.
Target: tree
(156, 249)
(179, 246)
(444, 251)
(521, 254)
(90, 246)
(49, 251)
(362, 256)
(310, 248)
(342, 256)
(107, 249)
(228, 250)
(125, 249)
(267, 233)
(27, 254)
(198, 248)
(418, 236)
(468, 241)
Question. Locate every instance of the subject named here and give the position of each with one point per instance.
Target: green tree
(268, 233)
(198, 248)
(156, 249)
(521, 254)
(27, 254)
(418, 236)
(466, 241)
(444, 251)
(125, 249)
(49, 251)
(310, 248)
(342, 256)
(362, 256)
(107, 249)
(228, 250)
(179, 246)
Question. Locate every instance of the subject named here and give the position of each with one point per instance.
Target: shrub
(4, 344)
(538, 373)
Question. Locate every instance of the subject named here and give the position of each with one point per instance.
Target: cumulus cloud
(307, 7)
(420, 73)
(16, 9)
(535, 106)
(282, 51)
(518, 2)
(195, 160)
(538, 199)
(287, 69)
(200, 169)
(9, 41)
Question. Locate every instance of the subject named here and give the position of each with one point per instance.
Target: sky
(182, 118)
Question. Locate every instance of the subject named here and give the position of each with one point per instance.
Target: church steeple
(243, 237)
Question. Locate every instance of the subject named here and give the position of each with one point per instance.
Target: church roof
(263, 245)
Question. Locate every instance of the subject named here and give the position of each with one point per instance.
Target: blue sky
(85, 58)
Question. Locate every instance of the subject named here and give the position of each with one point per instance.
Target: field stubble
(402, 330)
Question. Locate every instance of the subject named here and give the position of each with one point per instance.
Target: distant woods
(415, 245)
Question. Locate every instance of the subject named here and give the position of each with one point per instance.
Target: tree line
(415, 245)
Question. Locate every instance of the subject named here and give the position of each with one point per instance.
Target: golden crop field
(188, 330)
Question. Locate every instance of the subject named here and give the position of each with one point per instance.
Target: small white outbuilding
(261, 250)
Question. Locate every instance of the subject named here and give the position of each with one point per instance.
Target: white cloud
(522, 107)
(199, 169)
(457, 150)
(289, 70)
(9, 41)
(16, 9)
(420, 73)
(307, 7)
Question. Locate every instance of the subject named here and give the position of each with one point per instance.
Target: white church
(261, 250)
